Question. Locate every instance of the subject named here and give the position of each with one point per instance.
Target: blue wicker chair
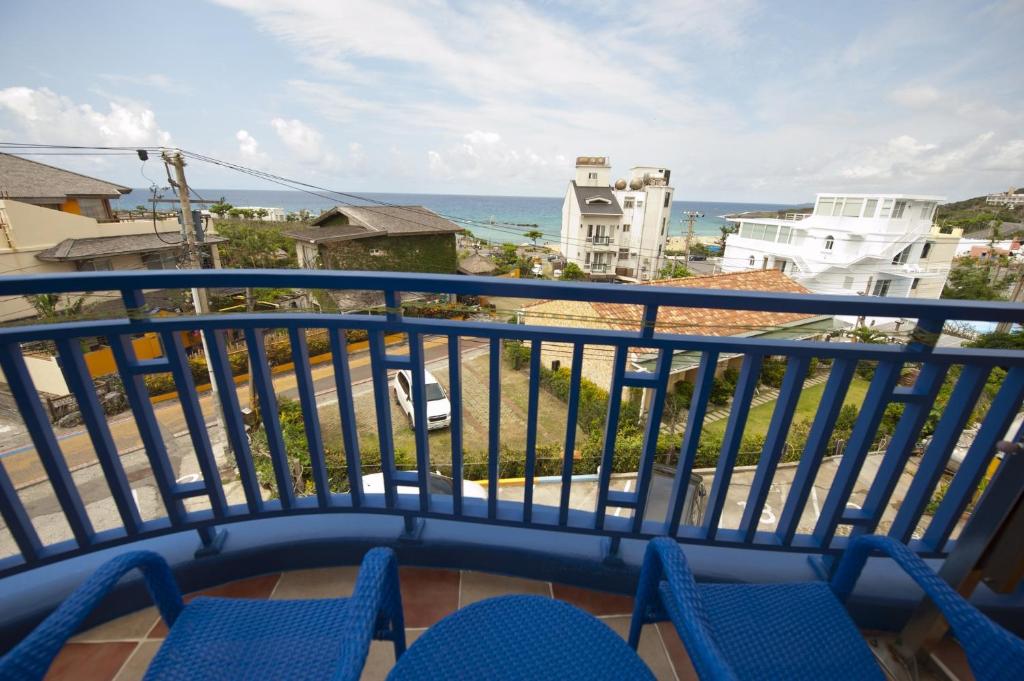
(800, 631)
(225, 638)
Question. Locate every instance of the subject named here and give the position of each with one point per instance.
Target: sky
(742, 100)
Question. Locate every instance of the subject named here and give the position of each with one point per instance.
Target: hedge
(278, 351)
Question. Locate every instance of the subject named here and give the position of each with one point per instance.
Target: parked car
(537, 269)
(557, 274)
(437, 483)
(439, 409)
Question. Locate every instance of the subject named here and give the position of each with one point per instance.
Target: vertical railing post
(347, 414)
(571, 424)
(691, 440)
(494, 429)
(533, 399)
(455, 397)
(310, 415)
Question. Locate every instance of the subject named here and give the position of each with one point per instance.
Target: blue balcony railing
(200, 504)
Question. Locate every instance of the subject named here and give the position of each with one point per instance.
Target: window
(838, 208)
(882, 287)
(590, 231)
(586, 260)
(664, 223)
(926, 210)
(625, 227)
(591, 176)
(926, 249)
(161, 260)
(897, 210)
(668, 199)
(750, 261)
(100, 265)
(913, 284)
(852, 208)
(93, 208)
(869, 208)
(847, 282)
(770, 232)
(623, 254)
(639, 203)
(659, 250)
(830, 241)
(825, 206)
(781, 265)
(403, 383)
(901, 257)
(785, 234)
(886, 208)
(627, 202)
(757, 231)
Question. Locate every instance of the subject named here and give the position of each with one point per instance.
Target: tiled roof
(366, 221)
(21, 178)
(106, 246)
(705, 321)
(596, 200)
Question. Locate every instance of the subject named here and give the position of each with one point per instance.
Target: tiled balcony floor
(121, 650)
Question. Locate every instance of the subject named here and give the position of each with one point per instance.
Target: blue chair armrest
(992, 652)
(33, 655)
(374, 611)
(679, 600)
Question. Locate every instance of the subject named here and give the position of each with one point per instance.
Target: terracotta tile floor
(122, 649)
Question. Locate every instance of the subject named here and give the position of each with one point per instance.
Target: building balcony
(530, 480)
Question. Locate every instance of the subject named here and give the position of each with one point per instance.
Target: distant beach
(496, 218)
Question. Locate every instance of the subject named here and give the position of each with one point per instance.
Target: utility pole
(867, 292)
(200, 301)
(690, 217)
(1016, 296)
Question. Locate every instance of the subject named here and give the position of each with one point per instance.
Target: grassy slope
(810, 398)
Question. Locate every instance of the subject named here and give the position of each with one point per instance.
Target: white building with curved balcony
(867, 244)
(616, 230)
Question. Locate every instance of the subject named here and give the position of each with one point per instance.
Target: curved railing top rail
(443, 283)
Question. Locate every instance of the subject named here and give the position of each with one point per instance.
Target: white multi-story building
(867, 244)
(1011, 198)
(616, 230)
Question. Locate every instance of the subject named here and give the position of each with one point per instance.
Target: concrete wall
(46, 375)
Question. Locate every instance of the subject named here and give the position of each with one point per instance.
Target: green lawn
(475, 401)
(810, 398)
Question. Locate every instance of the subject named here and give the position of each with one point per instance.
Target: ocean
(513, 214)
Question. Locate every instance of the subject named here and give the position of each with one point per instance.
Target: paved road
(23, 465)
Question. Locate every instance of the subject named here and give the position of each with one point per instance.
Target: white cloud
(157, 81)
(42, 115)
(1009, 157)
(304, 142)
(906, 157)
(916, 96)
(249, 148)
(480, 153)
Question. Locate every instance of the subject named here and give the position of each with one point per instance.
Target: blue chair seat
(786, 631)
(230, 638)
(226, 638)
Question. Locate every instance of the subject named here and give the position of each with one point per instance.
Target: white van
(439, 409)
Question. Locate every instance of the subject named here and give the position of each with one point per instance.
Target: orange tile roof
(711, 321)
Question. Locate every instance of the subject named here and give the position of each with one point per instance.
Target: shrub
(721, 392)
(772, 371)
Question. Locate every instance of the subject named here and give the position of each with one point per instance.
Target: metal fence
(835, 521)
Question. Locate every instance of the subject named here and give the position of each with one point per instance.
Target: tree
(533, 235)
(260, 213)
(677, 401)
(999, 341)
(971, 280)
(572, 272)
(674, 270)
(726, 231)
(507, 258)
(865, 334)
(221, 209)
(52, 306)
